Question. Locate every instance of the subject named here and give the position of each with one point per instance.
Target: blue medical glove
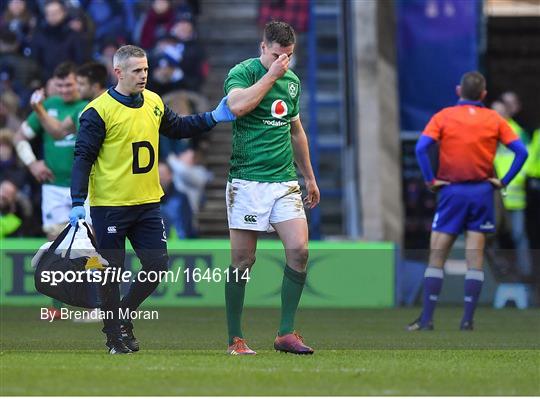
(222, 113)
(77, 212)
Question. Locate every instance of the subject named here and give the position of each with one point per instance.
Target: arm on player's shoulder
(179, 127)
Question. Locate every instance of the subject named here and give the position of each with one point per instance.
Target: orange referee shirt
(468, 135)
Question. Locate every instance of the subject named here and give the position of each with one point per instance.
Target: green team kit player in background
(54, 171)
(91, 82)
(263, 192)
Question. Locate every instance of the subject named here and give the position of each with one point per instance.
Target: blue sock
(473, 286)
(433, 279)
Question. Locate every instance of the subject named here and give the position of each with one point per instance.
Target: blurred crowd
(36, 36)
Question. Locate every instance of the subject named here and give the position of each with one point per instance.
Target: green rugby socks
(235, 289)
(291, 291)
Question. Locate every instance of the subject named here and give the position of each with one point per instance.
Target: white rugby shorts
(256, 206)
(56, 206)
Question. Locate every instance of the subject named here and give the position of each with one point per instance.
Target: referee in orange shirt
(468, 135)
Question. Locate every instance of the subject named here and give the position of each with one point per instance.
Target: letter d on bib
(137, 168)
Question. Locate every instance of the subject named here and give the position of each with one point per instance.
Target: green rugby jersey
(58, 154)
(261, 146)
(77, 114)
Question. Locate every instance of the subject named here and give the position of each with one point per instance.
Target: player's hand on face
(496, 183)
(37, 98)
(313, 195)
(436, 185)
(279, 66)
(41, 172)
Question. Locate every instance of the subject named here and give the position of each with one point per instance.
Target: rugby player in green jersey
(91, 82)
(54, 171)
(263, 193)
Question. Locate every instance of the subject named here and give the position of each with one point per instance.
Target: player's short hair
(94, 72)
(472, 85)
(126, 52)
(64, 69)
(279, 32)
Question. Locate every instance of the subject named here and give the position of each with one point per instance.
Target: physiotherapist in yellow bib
(116, 166)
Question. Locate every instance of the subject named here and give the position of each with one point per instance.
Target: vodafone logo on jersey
(279, 109)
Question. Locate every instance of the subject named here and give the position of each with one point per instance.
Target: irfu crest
(157, 111)
(293, 89)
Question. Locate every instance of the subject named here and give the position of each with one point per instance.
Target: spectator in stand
(105, 57)
(15, 211)
(54, 42)
(189, 178)
(156, 23)
(13, 171)
(177, 66)
(112, 18)
(513, 106)
(19, 19)
(10, 168)
(81, 23)
(24, 71)
(179, 69)
(190, 54)
(294, 12)
(183, 103)
(166, 74)
(9, 111)
(9, 105)
(9, 85)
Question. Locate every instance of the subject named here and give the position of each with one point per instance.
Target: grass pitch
(358, 352)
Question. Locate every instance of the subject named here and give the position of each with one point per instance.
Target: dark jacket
(53, 45)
